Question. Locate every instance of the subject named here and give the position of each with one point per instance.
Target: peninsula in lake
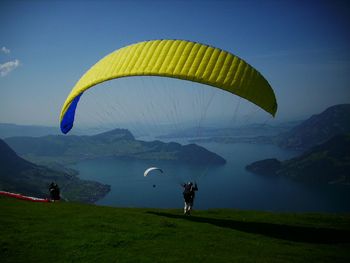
(118, 143)
(324, 140)
(29, 164)
(327, 163)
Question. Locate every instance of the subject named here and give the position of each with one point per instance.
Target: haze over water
(227, 186)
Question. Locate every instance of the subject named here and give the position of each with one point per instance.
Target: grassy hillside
(70, 232)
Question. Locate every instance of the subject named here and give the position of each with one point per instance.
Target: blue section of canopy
(68, 118)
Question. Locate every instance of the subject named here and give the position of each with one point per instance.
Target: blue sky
(301, 47)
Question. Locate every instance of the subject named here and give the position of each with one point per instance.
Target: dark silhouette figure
(189, 194)
(54, 192)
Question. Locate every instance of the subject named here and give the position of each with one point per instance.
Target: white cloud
(7, 67)
(5, 50)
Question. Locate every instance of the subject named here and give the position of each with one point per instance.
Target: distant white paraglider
(152, 169)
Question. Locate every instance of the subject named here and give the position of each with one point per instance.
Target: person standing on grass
(189, 194)
(54, 192)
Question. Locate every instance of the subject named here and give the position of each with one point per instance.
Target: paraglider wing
(175, 59)
(152, 169)
(24, 197)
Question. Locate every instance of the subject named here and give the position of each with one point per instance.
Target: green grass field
(71, 232)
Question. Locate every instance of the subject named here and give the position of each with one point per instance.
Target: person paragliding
(145, 174)
(189, 194)
(54, 192)
(178, 59)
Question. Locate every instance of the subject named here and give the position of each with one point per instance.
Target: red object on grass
(23, 197)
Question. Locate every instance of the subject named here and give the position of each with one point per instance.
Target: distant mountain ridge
(301, 136)
(117, 143)
(114, 135)
(10, 130)
(244, 131)
(20, 176)
(318, 129)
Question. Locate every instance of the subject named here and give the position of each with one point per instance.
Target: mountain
(218, 134)
(117, 143)
(325, 163)
(20, 176)
(10, 130)
(318, 129)
(300, 136)
(10, 162)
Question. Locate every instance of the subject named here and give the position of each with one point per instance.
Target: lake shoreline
(226, 186)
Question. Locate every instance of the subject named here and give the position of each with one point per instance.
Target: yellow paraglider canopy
(175, 59)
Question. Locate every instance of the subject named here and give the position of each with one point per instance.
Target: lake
(227, 186)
